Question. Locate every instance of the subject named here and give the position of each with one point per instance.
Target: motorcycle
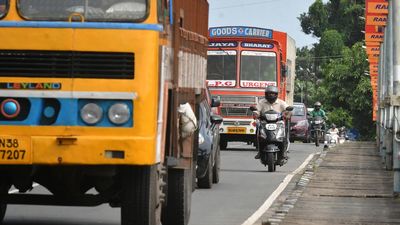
(272, 136)
(317, 130)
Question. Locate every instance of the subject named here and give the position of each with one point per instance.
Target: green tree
(335, 66)
(330, 46)
(315, 22)
(341, 15)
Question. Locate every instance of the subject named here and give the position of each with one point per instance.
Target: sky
(278, 15)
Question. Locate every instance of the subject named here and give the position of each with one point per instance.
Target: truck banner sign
(256, 84)
(222, 44)
(257, 45)
(221, 83)
(240, 31)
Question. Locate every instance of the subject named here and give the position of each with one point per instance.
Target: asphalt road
(244, 186)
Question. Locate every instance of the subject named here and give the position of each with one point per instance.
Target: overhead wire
(244, 4)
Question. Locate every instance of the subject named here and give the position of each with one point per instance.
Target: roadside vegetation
(334, 71)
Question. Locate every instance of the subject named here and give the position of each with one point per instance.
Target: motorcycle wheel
(317, 138)
(271, 161)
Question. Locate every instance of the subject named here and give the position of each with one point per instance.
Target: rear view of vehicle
(242, 61)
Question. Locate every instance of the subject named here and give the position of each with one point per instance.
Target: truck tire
(139, 203)
(179, 196)
(207, 180)
(217, 166)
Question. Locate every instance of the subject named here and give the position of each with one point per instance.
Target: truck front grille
(66, 64)
(230, 111)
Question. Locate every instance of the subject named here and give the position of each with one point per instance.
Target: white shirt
(279, 106)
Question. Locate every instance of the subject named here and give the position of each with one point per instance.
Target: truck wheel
(139, 203)
(223, 144)
(206, 181)
(217, 166)
(177, 210)
(271, 161)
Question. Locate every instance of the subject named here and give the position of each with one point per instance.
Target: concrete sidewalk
(346, 184)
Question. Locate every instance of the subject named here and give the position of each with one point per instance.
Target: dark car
(299, 125)
(208, 155)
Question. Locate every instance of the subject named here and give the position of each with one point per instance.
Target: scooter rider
(271, 102)
(321, 113)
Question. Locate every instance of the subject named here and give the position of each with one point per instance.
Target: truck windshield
(221, 65)
(258, 66)
(3, 7)
(99, 10)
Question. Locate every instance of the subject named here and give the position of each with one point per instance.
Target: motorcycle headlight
(271, 117)
(318, 121)
(91, 113)
(119, 113)
(201, 139)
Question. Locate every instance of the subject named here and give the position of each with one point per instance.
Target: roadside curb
(288, 198)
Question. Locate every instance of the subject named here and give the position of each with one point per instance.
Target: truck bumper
(80, 150)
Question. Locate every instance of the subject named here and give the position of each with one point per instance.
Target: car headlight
(119, 113)
(91, 113)
(201, 139)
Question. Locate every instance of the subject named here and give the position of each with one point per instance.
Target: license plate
(237, 130)
(270, 126)
(15, 150)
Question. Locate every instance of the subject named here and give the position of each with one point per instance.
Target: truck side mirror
(215, 102)
(284, 69)
(216, 119)
(253, 108)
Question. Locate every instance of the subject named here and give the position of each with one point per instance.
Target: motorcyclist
(318, 112)
(271, 102)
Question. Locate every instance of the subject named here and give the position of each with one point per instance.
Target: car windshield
(88, 10)
(298, 111)
(221, 65)
(258, 66)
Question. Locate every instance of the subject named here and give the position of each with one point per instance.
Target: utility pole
(388, 58)
(394, 7)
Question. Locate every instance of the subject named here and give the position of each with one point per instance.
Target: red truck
(241, 62)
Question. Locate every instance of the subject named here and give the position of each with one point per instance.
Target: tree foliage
(333, 70)
(341, 15)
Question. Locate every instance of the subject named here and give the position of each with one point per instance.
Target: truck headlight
(91, 113)
(119, 113)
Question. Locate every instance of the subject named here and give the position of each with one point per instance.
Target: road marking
(16, 190)
(260, 211)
